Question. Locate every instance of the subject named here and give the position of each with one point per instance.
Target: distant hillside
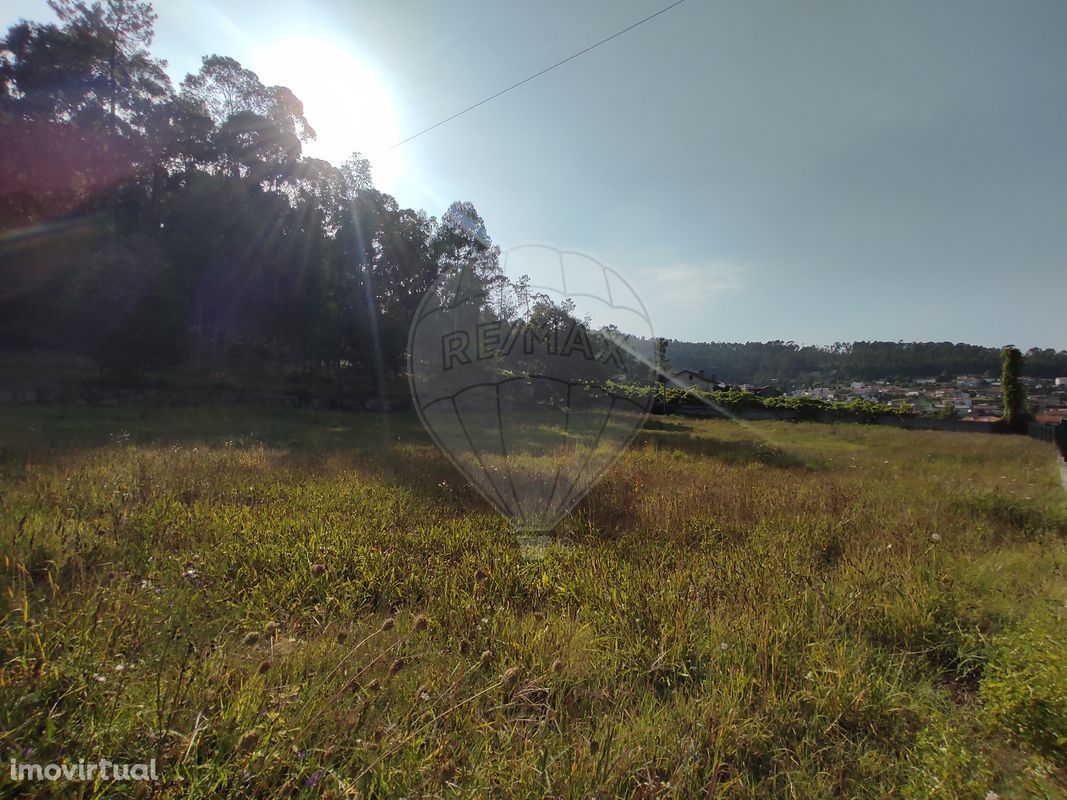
(788, 362)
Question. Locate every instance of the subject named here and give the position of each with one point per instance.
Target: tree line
(148, 225)
(791, 363)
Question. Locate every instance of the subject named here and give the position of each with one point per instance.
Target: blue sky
(815, 171)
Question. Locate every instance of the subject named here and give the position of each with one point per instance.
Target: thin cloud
(695, 285)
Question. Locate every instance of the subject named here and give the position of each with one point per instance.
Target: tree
(141, 224)
(75, 104)
(124, 28)
(661, 359)
(357, 174)
(948, 411)
(118, 308)
(1015, 416)
(227, 89)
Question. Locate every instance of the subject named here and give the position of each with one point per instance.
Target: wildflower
(935, 537)
(724, 646)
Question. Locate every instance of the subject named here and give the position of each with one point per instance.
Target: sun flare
(344, 101)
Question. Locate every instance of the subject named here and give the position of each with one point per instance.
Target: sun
(344, 102)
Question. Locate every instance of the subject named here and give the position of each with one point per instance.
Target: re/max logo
(497, 339)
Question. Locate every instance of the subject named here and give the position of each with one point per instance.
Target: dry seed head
(374, 685)
(264, 666)
(420, 623)
(396, 666)
(318, 570)
(388, 623)
(341, 636)
(248, 741)
(557, 666)
(486, 655)
(251, 638)
(510, 674)
(270, 628)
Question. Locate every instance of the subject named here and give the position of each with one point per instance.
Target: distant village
(972, 398)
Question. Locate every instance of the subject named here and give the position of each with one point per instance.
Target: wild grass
(311, 604)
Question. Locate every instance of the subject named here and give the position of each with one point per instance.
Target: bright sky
(820, 171)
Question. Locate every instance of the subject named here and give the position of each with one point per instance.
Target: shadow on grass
(731, 451)
(393, 447)
(1011, 518)
(61, 428)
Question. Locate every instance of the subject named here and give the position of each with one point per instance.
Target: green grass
(311, 604)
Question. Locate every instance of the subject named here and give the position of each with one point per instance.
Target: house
(1061, 381)
(692, 379)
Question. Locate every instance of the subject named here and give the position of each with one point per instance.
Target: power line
(539, 74)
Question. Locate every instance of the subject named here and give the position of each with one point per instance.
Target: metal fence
(1056, 434)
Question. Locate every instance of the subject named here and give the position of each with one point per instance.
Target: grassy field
(282, 603)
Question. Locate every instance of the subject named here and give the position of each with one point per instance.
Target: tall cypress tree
(1011, 385)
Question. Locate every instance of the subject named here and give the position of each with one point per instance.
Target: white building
(1061, 381)
(692, 379)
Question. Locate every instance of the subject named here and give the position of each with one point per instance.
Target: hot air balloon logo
(533, 389)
